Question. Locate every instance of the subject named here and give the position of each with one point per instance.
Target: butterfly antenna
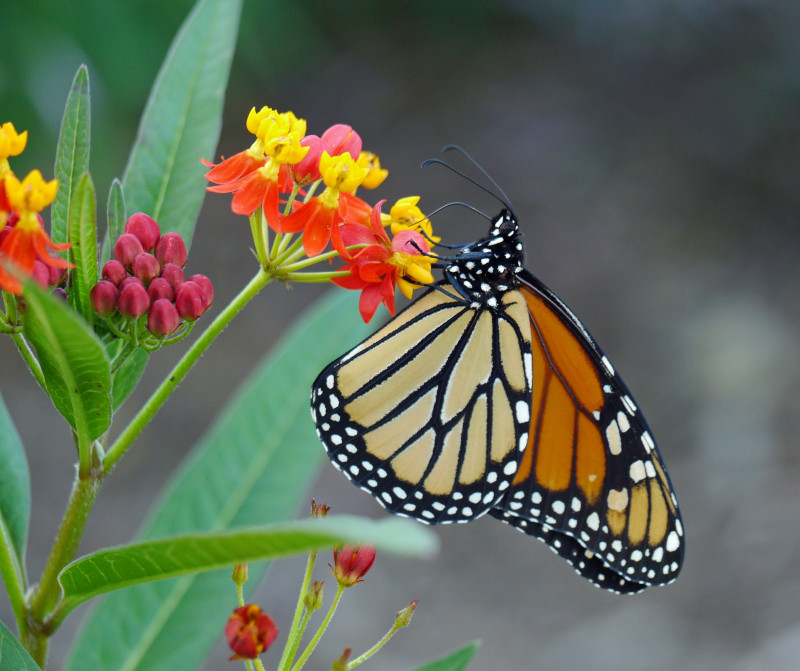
(471, 180)
(482, 170)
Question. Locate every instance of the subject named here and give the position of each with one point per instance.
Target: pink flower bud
(160, 288)
(145, 228)
(307, 170)
(57, 275)
(173, 274)
(104, 296)
(190, 301)
(171, 249)
(205, 284)
(126, 249)
(145, 266)
(133, 300)
(41, 274)
(351, 563)
(130, 279)
(342, 138)
(163, 318)
(114, 272)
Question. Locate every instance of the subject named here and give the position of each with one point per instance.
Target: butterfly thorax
(482, 271)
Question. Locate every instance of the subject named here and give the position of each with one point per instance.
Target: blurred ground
(651, 152)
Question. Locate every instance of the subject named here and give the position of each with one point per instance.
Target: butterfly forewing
(431, 413)
(594, 488)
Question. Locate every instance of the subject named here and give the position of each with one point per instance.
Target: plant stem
(47, 592)
(293, 640)
(29, 358)
(322, 627)
(13, 575)
(363, 658)
(171, 382)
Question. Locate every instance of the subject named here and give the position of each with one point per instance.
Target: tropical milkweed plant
(87, 301)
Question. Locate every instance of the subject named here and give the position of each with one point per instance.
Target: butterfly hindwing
(591, 475)
(431, 412)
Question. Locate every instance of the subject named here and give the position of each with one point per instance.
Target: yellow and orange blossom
(27, 240)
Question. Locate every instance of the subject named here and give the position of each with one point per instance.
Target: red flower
(231, 169)
(351, 563)
(381, 263)
(249, 632)
(26, 242)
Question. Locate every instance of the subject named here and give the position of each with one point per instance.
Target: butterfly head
(483, 270)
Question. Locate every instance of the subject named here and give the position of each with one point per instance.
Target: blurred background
(652, 152)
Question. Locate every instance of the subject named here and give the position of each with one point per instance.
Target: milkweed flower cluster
(144, 285)
(307, 184)
(24, 244)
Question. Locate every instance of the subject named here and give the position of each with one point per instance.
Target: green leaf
(13, 657)
(455, 661)
(75, 367)
(15, 486)
(82, 227)
(72, 153)
(111, 569)
(115, 216)
(126, 377)
(253, 467)
(15, 511)
(182, 120)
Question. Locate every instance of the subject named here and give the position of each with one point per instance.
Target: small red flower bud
(114, 272)
(41, 274)
(173, 274)
(160, 288)
(163, 318)
(190, 301)
(205, 284)
(171, 249)
(130, 279)
(145, 266)
(57, 275)
(133, 300)
(126, 249)
(249, 632)
(145, 228)
(351, 563)
(307, 170)
(104, 296)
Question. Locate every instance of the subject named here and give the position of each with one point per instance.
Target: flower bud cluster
(146, 278)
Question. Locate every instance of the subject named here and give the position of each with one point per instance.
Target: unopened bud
(145, 228)
(57, 276)
(240, 573)
(114, 272)
(133, 300)
(190, 301)
(205, 284)
(403, 618)
(146, 267)
(40, 273)
(173, 274)
(130, 279)
(160, 288)
(126, 249)
(163, 318)
(319, 509)
(104, 296)
(171, 249)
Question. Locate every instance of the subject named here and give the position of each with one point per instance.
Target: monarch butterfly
(487, 394)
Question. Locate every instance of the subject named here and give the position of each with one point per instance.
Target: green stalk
(171, 381)
(322, 627)
(29, 357)
(13, 576)
(293, 640)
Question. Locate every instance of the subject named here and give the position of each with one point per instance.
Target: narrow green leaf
(15, 510)
(455, 661)
(13, 657)
(74, 364)
(253, 467)
(72, 153)
(111, 569)
(82, 227)
(115, 216)
(182, 120)
(15, 486)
